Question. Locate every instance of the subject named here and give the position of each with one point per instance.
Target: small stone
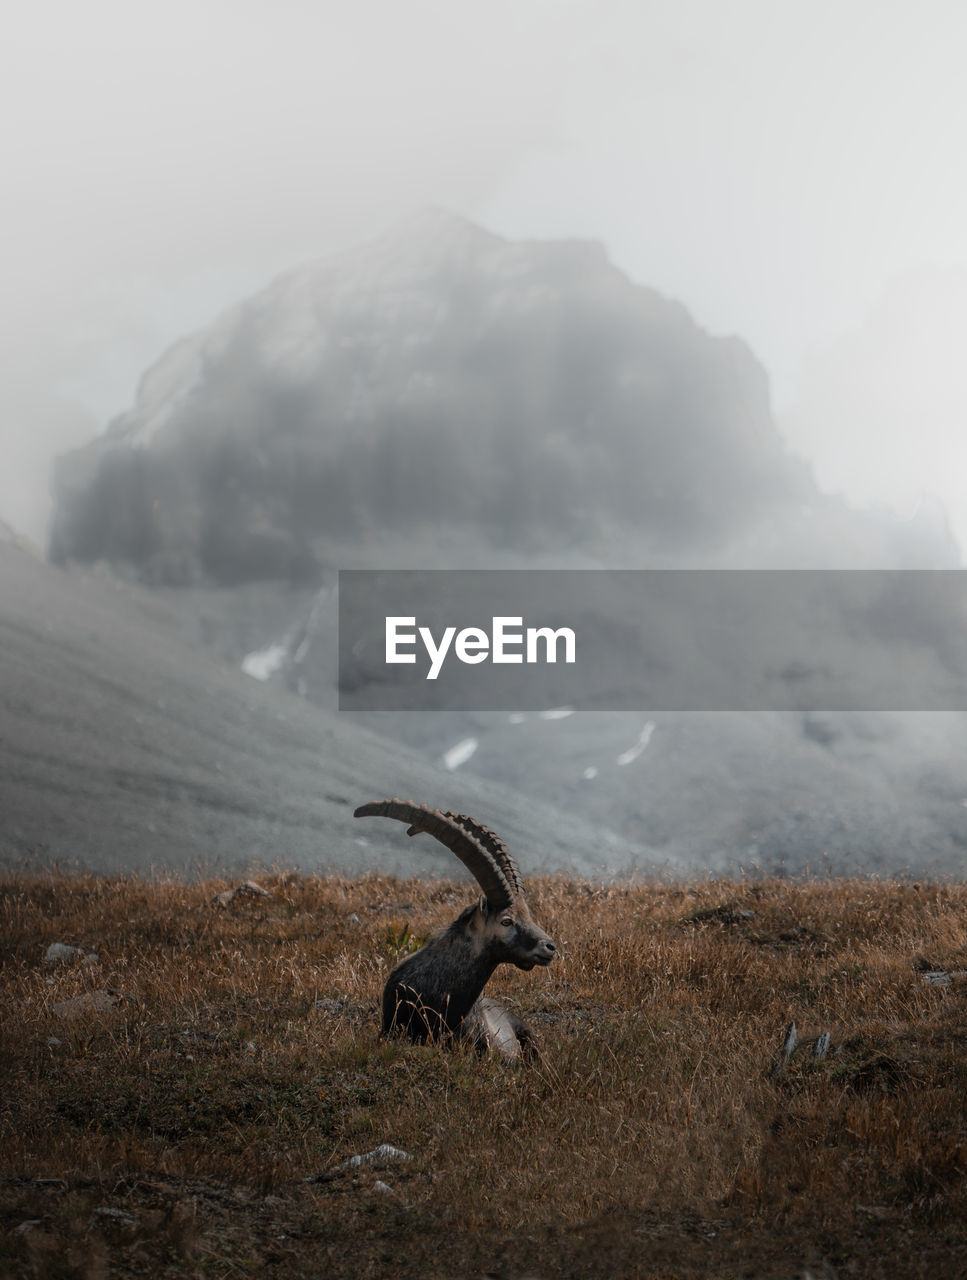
(332, 1008)
(790, 1040)
(30, 1224)
(90, 1002)
(118, 1216)
(65, 953)
(247, 889)
(53, 1042)
(937, 978)
(382, 1155)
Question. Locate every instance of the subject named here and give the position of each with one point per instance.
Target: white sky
(792, 171)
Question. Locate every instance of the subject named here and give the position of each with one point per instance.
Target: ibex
(435, 993)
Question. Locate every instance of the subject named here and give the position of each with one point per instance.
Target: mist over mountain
(441, 397)
(527, 393)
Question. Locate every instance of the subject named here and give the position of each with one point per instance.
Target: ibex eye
(506, 920)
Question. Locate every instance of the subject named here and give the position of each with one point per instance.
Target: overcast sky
(793, 172)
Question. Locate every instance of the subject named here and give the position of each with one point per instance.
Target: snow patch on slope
(634, 752)
(460, 753)
(262, 664)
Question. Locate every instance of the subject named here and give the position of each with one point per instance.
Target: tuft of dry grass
(654, 1138)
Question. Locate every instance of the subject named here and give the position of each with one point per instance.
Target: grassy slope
(124, 747)
(651, 1140)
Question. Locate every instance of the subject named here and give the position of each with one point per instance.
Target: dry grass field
(194, 1124)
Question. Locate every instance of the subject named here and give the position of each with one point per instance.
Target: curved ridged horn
(494, 846)
(472, 849)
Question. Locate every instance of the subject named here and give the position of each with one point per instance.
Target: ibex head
(511, 935)
(504, 923)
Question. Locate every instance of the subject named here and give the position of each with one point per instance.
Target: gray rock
(63, 953)
(247, 889)
(90, 1002)
(378, 1158)
(118, 1217)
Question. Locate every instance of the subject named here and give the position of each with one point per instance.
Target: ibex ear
(483, 905)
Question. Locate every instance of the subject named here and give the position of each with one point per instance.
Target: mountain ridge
(526, 390)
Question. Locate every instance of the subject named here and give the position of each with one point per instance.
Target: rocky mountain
(527, 394)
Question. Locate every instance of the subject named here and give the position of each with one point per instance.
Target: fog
(439, 377)
(787, 172)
